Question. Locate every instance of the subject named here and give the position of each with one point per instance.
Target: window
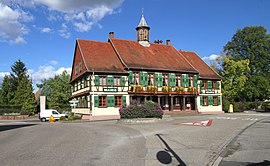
(136, 78)
(151, 79)
(76, 86)
(214, 83)
(215, 98)
(205, 85)
(165, 80)
(102, 80)
(118, 101)
(87, 81)
(82, 83)
(102, 101)
(54, 112)
(205, 101)
(190, 79)
(117, 81)
(178, 80)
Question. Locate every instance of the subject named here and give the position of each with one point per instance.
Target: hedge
(148, 109)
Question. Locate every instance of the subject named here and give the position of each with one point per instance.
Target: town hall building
(108, 75)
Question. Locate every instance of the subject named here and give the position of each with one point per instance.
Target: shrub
(148, 109)
(235, 107)
(225, 105)
(266, 106)
(251, 105)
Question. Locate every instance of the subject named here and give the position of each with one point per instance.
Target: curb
(216, 159)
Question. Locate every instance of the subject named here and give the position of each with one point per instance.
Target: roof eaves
(165, 70)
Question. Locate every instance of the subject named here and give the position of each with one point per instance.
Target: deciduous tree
(252, 44)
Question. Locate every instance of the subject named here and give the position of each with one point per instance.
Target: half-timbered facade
(107, 75)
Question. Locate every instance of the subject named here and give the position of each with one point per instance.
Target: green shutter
(96, 101)
(187, 80)
(156, 79)
(141, 79)
(108, 101)
(218, 85)
(146, 79)
(183, 80)
(112, 101)
(210, 100)
(160, 79)
(201, 83)
(219, 102)
(123, 81)
(209, 84)
(130, 77)
(96, 81)
(172, 80)
(201, 100)
(110, 80)
(195, 81)
(124, 100)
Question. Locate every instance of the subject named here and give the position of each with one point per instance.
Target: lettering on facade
(209, 91)
(110, 90)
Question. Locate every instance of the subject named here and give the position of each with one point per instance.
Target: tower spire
(143, 30)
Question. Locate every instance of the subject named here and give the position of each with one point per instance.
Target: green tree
(253, 44)
(18, 71)
(234, 78)
(24, 95)
(5, 93)
(57, 91)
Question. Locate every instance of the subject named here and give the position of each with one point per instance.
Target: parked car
(45, 115)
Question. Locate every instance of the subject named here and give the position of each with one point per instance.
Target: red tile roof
(117, 55)
(157, 56)
(37, 94)
(204, 70)
(100, 56)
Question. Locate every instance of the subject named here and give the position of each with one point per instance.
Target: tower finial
(142, 11)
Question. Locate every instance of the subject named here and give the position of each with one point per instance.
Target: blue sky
(42, 33)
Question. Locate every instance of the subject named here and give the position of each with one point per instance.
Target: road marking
(237, 118)
(203, 123)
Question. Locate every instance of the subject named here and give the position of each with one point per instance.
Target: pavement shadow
(11, 127)
(264, 163)
(164, 156)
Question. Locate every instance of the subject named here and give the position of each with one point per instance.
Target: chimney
(168, 42)
(111, 35)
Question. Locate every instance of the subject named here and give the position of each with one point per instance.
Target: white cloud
(63, 32)
(53, 62)
(12, 27)
(81, 14)
(46, 30)
(46, 72)
(83, 26)
(211, 57)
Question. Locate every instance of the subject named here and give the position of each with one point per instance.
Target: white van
(45, 115)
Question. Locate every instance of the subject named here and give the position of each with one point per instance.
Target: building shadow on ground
(164, 156)
(11, 127)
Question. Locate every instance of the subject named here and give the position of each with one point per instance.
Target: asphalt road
(110, 143)
(251, 147)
